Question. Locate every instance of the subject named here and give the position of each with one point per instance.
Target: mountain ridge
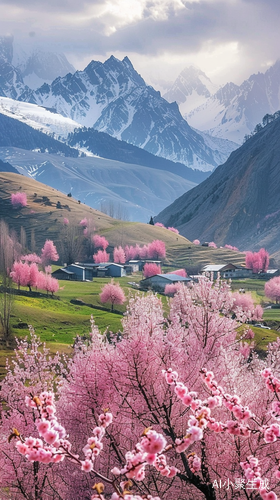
(113, 98)
(234, 110)
(240, 201)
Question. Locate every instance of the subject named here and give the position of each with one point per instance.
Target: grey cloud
(253, 24)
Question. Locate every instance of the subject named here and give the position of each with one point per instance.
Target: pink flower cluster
(49, 429)
(232, 403)
(94, 444)
(18, 200)
(54, 447)
(84, 222)
(252, 472)
(202, 418)
(271, 382)
(197, 422)
(194, 462)
(148, 451)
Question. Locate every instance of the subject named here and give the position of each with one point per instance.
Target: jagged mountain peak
(113, 98)
(127, 61)
(191, 88)
(113, 68)
(234, 110)
(47, 65)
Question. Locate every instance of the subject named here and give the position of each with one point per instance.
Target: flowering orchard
(25, 271)
(176, 409)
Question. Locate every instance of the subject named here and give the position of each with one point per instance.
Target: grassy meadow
(59, 319)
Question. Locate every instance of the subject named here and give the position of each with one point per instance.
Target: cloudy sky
(228, 39)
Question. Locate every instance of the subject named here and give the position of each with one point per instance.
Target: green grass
(57, 320)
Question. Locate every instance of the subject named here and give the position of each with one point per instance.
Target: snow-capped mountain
(234, 111)
(84, 95)
(88, 141)
(22, 70)
(113, 98)
(191, 89)
(41, 67)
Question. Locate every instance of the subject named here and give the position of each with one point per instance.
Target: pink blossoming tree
(150, 269)
(18, 200)
(100, 241)
(49, 253)
(101, 256)
(33, 369)
(222, 410)
(173, 229)
(113, 294)
(156, 250)
(119, 255)
(272, 289)
(257, 261)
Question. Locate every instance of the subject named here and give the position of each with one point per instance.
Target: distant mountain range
(239, 204)
(112, 97)
(230, 112)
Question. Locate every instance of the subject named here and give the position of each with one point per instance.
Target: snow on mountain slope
(84, 95)
(224, 145)
(41, 67)
(234, 111)
(113, 98)
(139, 191)
(38, 117)
(143, 118)
(6, 49)
(191, 89)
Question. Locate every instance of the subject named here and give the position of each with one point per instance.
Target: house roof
(63, 271)
(212, 268)
(174, 277)
(170, 277)
(114, 264)
(74, 265)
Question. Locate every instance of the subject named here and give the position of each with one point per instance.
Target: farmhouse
(74, 272)
(227, 271)
(158, 282)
